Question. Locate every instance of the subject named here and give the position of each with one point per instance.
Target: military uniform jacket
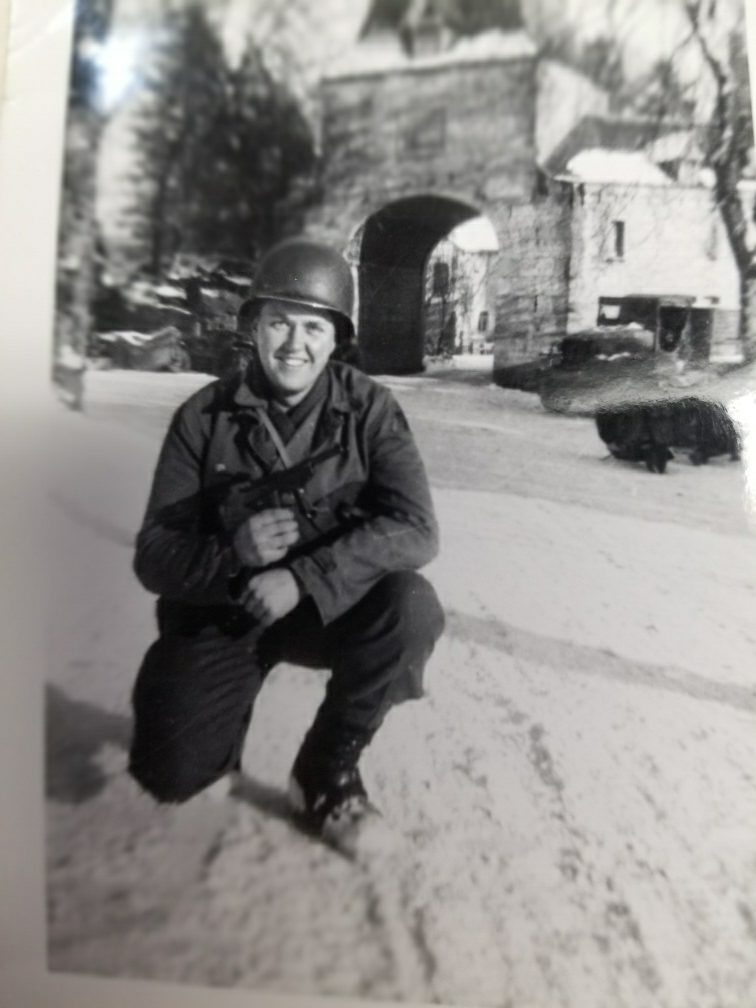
(371, 502)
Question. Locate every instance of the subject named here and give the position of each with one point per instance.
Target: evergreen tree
(187, 85)
(219, 149)
(251, 154)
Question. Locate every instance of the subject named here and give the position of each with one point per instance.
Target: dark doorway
(396, 243)
(672, 321)
(700, 334)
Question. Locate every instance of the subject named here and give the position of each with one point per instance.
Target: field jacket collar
(252, 434)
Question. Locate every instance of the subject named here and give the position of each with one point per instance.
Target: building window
(440, 278)
(619, 239)
(609, 314)
(483, 322)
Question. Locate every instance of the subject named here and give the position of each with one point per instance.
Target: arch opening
(396, 243)
(458, 313)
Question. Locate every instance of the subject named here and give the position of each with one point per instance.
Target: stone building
(640, 239)
(422, 129)
(663, 242)
(427, 123)
(457, 315)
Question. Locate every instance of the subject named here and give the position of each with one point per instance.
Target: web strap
(275, 438)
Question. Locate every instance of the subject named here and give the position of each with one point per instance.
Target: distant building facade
(620, 229)
(660, 241)
(458, 316)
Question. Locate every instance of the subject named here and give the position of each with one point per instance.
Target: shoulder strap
(275, 438)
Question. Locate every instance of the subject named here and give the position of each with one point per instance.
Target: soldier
(325, 577)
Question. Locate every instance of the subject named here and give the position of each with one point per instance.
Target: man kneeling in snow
(325, 576)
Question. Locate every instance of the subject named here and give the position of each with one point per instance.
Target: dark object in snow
(646, 432)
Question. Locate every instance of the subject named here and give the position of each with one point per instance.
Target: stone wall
(464, 130)
(529, 277)
(452, 141)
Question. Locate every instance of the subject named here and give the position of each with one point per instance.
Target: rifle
(237, 496)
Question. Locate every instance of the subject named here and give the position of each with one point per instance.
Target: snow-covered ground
(574, 801)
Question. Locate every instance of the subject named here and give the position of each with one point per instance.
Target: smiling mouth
(293, 362)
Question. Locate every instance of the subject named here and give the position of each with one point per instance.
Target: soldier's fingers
(258, 608)
(271, 516)
(283, 537)
(268, 536)
(285, 525)
(274, 538)
(252, 599)
(251, 603)
(270, 553)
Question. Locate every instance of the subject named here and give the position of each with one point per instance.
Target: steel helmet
(307, 273)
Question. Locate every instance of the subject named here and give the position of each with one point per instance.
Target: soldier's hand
(266, 537)
(271, 595)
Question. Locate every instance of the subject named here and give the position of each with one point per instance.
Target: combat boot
(326, 790)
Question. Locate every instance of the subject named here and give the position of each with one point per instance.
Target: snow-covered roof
(382, 52)
(682, 144)
(626, 167)
(605, 132)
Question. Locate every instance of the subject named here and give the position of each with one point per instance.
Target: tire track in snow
(560, 655)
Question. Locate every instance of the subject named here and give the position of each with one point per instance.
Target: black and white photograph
(399, 552)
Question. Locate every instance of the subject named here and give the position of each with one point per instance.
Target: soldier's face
(294, 343)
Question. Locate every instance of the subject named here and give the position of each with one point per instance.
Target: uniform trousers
(197, 685)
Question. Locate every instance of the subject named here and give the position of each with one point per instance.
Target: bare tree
(729, 147)
(713, 106)
(186, 85)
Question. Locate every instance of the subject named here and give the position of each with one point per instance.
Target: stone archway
(396, 242)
